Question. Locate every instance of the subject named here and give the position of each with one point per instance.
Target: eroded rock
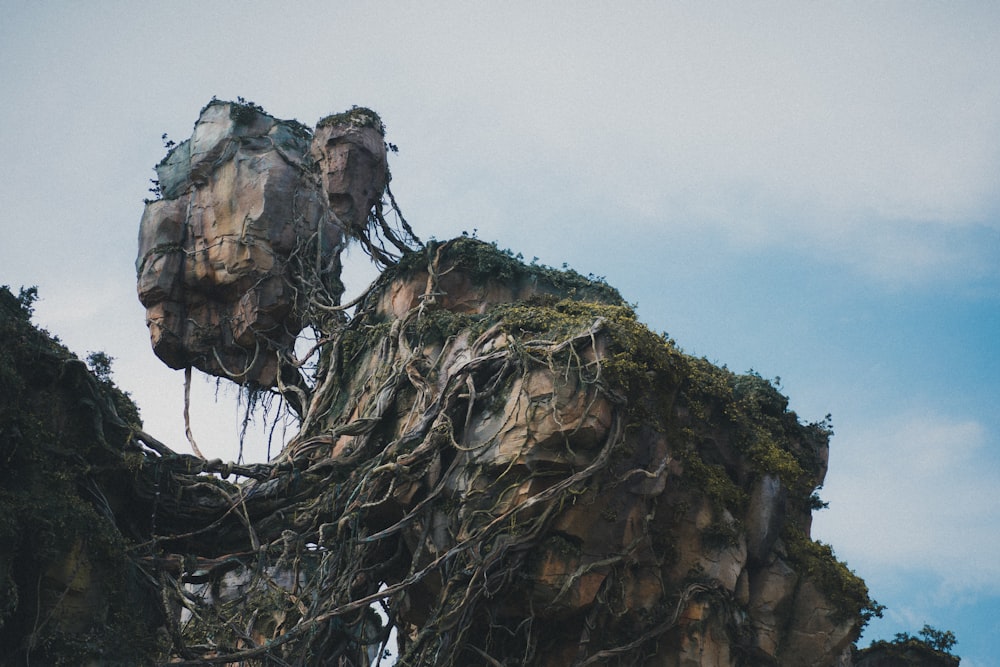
(247, 235)
(672, 519)
(349, 149)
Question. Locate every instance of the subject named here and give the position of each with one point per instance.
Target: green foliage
(711, 479)
(100, 365)
(839, 584)
(56, 449)
(816, 503)
(437, 325)
(762, 427)
(355, 116)
(486, 263)
(244, 111)
(939, 640)
(721, 535)
(26, 298)
(931, 644)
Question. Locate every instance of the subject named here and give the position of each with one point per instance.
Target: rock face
(637, 503)
(349, 150)
(247, 237)
(505, 458)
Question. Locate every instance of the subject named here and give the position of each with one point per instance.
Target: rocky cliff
(568, 485)
(71, 592)
(495, 460)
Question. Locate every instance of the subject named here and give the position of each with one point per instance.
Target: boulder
(242, 238)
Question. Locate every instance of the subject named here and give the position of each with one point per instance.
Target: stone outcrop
(540, 479)
(349, 150)
(248, 234)
(69, 591)
(662, 497)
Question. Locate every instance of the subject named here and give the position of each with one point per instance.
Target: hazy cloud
(917, 493)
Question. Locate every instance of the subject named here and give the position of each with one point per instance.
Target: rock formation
(70, 591)
(497, 457)
(247, 237)
(597, 495)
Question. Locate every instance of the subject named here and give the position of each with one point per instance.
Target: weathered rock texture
(522, 469)
(247, 237)
(499, 456)
(601, 496)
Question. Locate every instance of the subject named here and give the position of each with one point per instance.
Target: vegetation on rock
(70, 590)
(391, 493)
(931, 648)
(495, 459)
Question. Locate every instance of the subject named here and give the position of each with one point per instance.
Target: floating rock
(349, 149)
(244, 232)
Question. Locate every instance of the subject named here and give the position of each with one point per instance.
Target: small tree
(929, 642)
(100, 364)
(939, 640)
(26, 298)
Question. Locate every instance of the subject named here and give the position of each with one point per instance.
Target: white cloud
(917, 493)
(865, 135)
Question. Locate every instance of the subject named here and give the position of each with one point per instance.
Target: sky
(808, 190)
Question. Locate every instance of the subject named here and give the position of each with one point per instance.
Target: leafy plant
(26, 298)
(100, 364)
(930, 642)
(939, 640)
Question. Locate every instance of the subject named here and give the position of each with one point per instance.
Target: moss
(713, 480)
(645, 368)
(756, 421)
(636, 361)
(437, 325)
(486, 263)
(355, 116)
(721, 535)
(358, 339)
(905, 651)
(846, 590)
(57, 450)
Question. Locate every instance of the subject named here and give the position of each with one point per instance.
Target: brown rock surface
(664, 519)
(349, 149)
(242, 239)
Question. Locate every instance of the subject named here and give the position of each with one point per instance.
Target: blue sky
(809, 190)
